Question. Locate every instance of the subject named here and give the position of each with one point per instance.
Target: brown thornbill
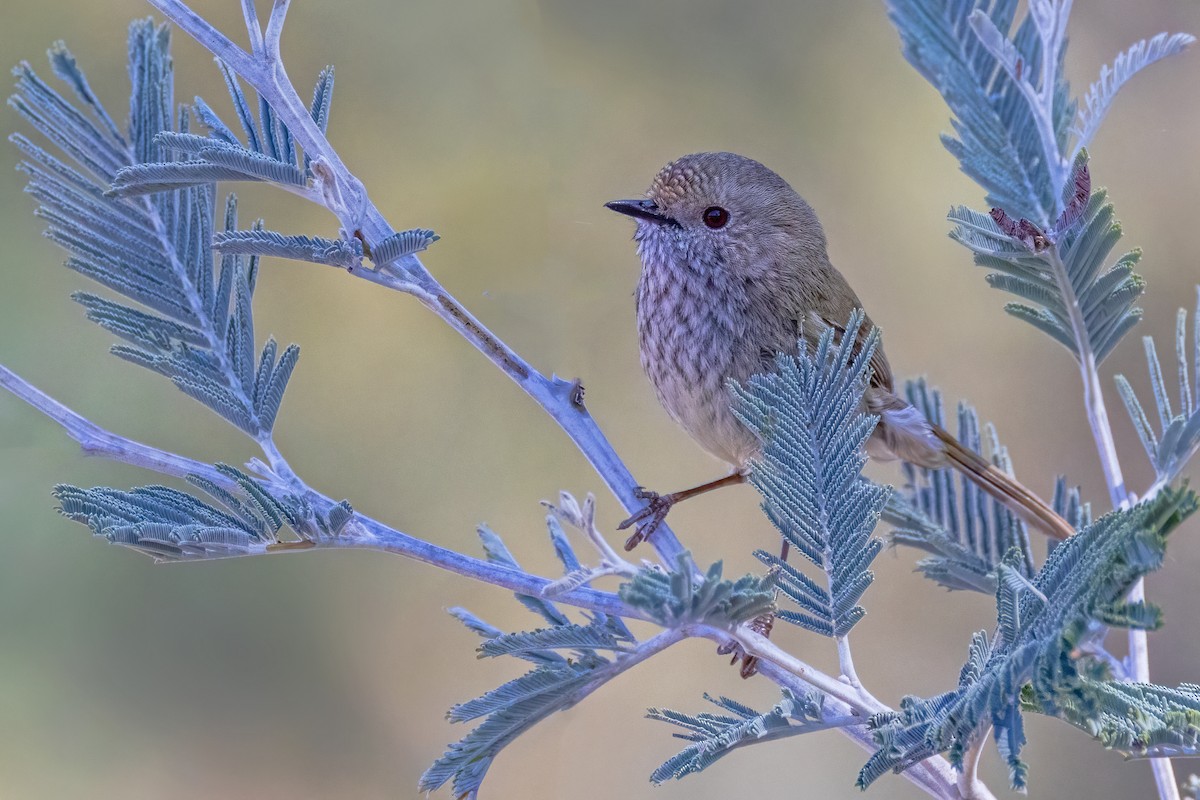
(735, 270)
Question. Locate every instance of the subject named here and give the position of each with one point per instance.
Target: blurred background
(505, 126)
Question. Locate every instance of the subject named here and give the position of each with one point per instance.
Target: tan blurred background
(505, 126)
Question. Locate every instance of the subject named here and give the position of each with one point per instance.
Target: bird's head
(722, 211)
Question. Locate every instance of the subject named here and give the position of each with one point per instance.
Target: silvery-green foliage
(715, 736)
(402, 244)
(1069, 505)
(1127, 64)
(1142, 720)
(1047, 240)
(808, 414)
(346, 253)
(1014, 120)
(682, 595)
(1035, 660)
(200, 160)
(1012, 129)
(172, 525)
(940, 511)
(269, 153)
(1067, 286)
(137, 210)
(1177, 437)
(997, 140)
(333, 252)
(594, 652)
(597, 650)
(195, 322)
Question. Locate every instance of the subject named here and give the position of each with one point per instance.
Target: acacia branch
(346, 197)
(362, 532)
(1050, 17)
(250, 13)
(970, 787)
(934, 775)
(1093, 400)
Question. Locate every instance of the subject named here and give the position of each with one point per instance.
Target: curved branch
(362, 533)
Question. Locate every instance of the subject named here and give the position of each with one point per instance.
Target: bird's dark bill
(639, 209)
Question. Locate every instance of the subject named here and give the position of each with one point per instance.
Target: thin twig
(275, 29)
(759, 646)
(250, 13)
(583, 519)
(846, 662)
(1139, 670)
(970, 787)
(96, 441)
(1093, 393)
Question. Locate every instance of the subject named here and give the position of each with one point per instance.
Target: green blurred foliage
(505, 126)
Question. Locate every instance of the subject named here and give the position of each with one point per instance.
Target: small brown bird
(735, 270)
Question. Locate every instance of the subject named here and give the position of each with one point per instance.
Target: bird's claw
(749, 666)
(762, 624)
(649, 518)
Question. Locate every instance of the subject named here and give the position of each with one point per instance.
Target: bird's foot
(761, 624)
(649, 518)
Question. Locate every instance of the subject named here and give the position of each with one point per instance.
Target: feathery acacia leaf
(1013, 132)
(154, 251)
(269, 153)
(1176, 439)
(334, 252)
(996, 138)
(169, 524)
(1127, 64)
(673, 598)
(966, 532)
(807, 414)
(510, 711)
(554, 684)
(714, 736)
(322, 98)
(1054, 271)
(558, 637)
(401, 244)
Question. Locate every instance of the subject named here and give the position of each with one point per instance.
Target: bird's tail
(904, 432)
(1002, 487)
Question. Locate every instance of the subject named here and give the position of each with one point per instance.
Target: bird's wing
(881, 370)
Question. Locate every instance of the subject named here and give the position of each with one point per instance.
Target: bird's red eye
(715, 217)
